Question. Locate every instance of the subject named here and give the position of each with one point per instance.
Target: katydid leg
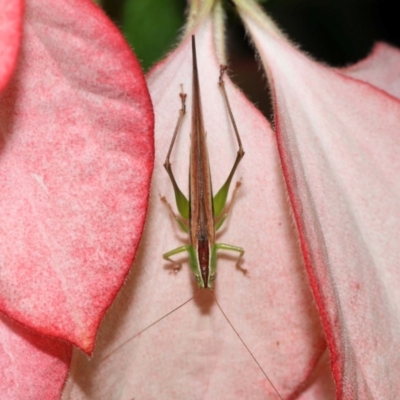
(229, 247)
(181, 201)
(221, 219)
(219, 199)
(181, 222)
(167, 256)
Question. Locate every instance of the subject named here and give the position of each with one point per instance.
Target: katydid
(202, 214)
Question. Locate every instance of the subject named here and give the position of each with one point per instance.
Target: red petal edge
(76, 157)
(31, 366)
(10, 37)
(338, 140)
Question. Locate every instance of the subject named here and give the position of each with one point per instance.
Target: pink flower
(317, 214)
(338, 157)
(337, 134)
(194, 353)
(76, 156)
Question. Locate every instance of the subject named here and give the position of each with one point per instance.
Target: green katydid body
(202, 214)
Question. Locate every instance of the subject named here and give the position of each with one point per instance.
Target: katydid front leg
(223, 246)
(228, 247)
(178, 250)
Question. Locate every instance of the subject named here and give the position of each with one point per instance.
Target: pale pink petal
(10, 37)
(32, 366)
(194, 353)
(381, 69)
(76, 153)
(320, 384)
(339, 144)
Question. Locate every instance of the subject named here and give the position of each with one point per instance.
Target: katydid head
(203, 282)
(200, 267)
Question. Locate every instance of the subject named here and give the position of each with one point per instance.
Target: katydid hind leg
(181, 222)
(219, 199)
(182, 202)
(221, 219)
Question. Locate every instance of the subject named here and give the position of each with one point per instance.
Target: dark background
(337, 32)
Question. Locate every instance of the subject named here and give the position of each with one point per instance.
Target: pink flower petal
(339, 144)
(381, 69)
(10, 38)
(194, 350)
(31, 366)
(319, 384)
(75, 164)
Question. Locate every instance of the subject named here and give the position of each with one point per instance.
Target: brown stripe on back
(203, 250)
(201, 209)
